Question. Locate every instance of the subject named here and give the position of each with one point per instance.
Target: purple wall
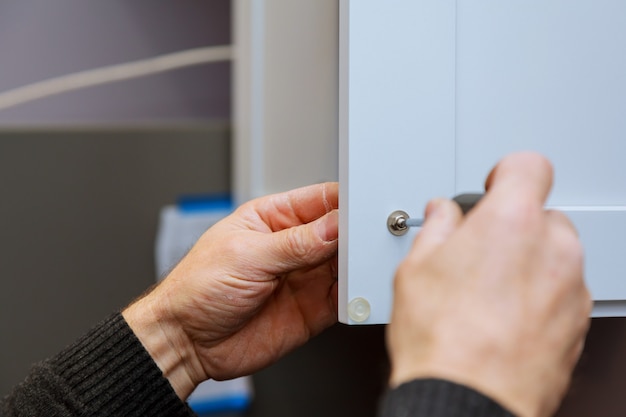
(40, 39)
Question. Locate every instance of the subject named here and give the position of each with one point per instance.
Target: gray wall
(78, 217)
(40, 39)
(79, 208)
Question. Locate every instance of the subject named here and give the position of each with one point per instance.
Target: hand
(495, 301)
(255, 286)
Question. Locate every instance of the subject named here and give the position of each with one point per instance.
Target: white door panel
(434, 93)
(547, 76)
(603, 232)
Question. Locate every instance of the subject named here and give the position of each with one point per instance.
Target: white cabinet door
(434, 92)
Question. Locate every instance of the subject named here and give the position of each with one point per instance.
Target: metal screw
(396, 223)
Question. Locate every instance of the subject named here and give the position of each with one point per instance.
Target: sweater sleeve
(438, 398)
(107, 372)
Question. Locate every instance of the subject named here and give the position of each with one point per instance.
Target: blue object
(205, 202)
(233, 404)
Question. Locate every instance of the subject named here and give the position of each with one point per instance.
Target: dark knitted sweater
(438, 398)
(107, 372)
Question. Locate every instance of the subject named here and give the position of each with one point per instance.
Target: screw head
(396, 223)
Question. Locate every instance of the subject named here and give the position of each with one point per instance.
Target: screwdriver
(399, 221)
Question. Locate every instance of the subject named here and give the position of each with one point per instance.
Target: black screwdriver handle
(467, 201)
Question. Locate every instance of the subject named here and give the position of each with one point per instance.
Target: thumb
(442, 218)
(302, 246)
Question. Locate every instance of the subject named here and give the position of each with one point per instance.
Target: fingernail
(329, 226)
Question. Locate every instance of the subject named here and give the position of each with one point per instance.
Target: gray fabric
(438, 398)
(107, 372)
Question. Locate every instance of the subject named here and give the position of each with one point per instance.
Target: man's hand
(256, 285)
(495, 301)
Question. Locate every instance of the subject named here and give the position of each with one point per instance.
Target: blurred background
(85, 174)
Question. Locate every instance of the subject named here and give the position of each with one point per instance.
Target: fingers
(559, 218)
(565, 239)
(524, 176)
(581, 324)
(296, 207)
(442, 219)
(301, 246)
(566, 244)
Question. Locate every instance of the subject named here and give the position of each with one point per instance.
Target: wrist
(435, 396)
(478, 376)
(165, 341)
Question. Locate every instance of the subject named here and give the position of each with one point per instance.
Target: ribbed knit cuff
(438, 398)
(111, 373)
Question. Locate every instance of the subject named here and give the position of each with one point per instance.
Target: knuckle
(403, 272)
(295, 244)
(520, 215)
(235, 247)
(586, 302)
(571, 248)
(576, 251)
